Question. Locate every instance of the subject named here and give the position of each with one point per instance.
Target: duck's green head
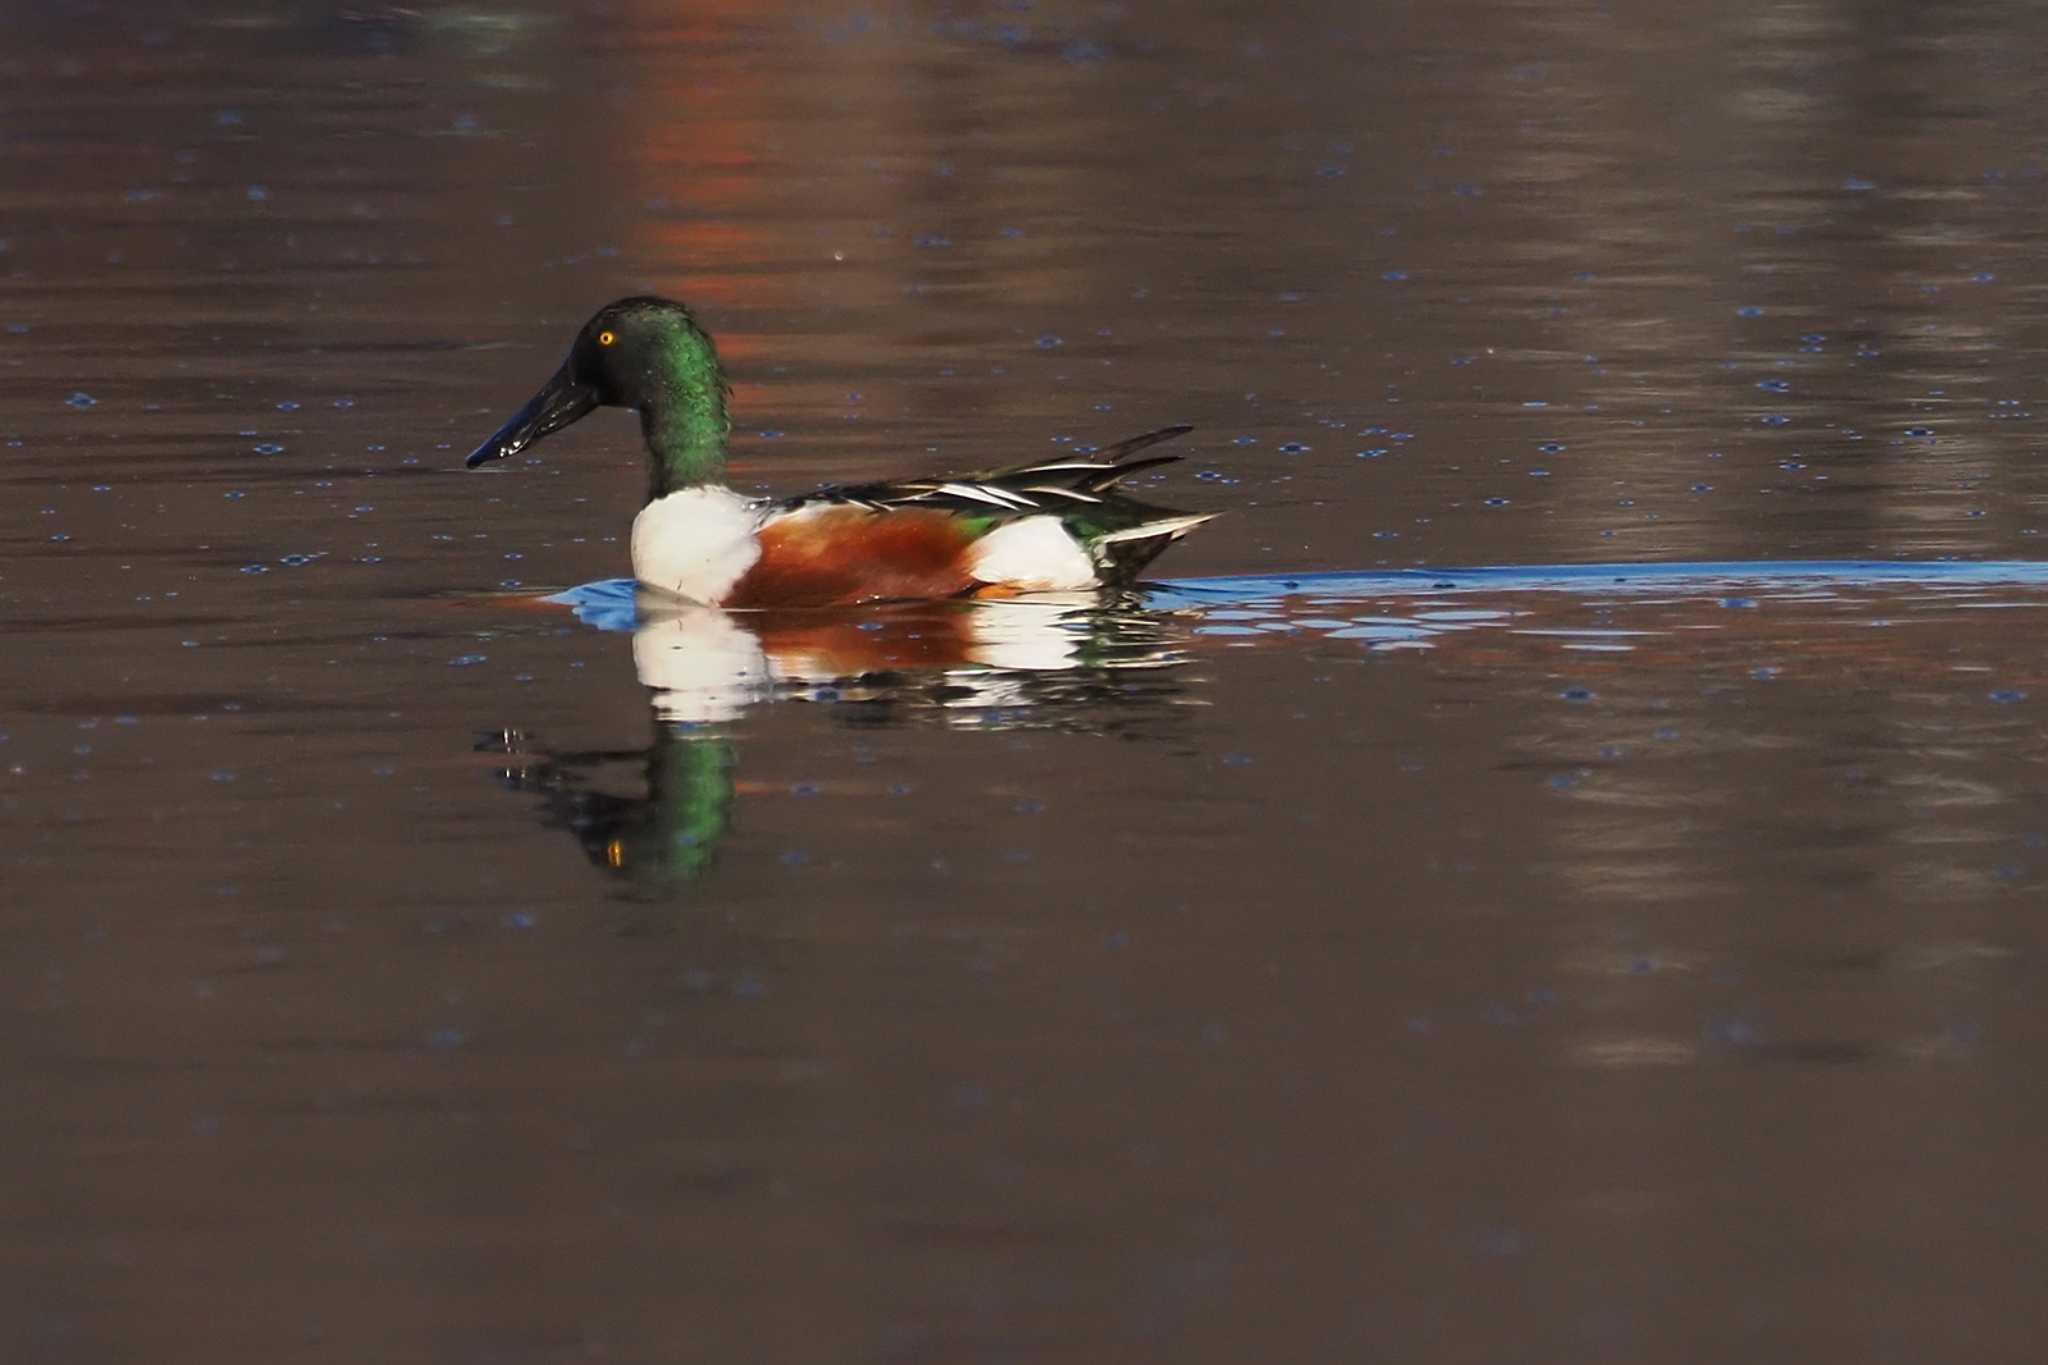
(643, 353)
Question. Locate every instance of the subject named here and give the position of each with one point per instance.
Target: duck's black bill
(562, 400)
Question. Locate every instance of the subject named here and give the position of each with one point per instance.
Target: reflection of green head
(673, 834)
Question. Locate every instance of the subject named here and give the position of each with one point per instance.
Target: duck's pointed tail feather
(1131, 445)
(1121, 555)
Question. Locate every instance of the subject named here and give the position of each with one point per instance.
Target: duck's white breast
(696, 543)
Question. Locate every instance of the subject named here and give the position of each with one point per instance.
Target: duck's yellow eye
(605, 338)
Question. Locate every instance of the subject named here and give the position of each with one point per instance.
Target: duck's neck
(685, 423)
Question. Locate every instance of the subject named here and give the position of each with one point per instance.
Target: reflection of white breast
(696, 543)
(702, 665)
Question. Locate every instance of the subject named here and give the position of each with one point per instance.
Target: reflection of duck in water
(705, 665)
(1055, 526)
(1007, 664)
(669, 835)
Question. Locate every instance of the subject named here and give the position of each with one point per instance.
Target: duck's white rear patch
(696, 543)
(1033, 554)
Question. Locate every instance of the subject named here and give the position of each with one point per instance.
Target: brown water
(1456, 967)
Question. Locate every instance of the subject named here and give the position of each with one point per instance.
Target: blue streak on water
(1701, 576)
(609, 604)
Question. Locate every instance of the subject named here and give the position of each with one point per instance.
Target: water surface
(1625, 949)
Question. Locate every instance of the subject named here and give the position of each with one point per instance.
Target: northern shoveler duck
(1055, 526)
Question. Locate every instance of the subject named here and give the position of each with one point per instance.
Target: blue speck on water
(445, 1039)
(2008, 695)
(1500, 1242)
(1535, 403)
(467, 660)
(344, 402)
(1918, 432)
(255, 568)
(268, 448)
(1773, 386)
(1394, 276)
(1372, 454)
(1702, 488)
(234, 495)
(1293, 448)
(1774, 419)
(1856, 184)
(1734, 1031)
(297, 560)
(288, 405)
(520, 919)
(82, 400)
(1551, 448)
(1749, 310)
(1577, 694)
(1496, 502)
(793, 857)
(803, 789)
(257, 193)
(222, 775)
(1739, 603)
(1983, 277)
